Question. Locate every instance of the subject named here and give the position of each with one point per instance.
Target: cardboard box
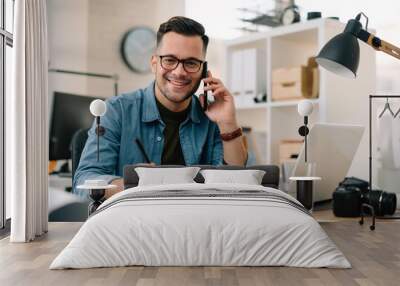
(295, 83)
(288, 149)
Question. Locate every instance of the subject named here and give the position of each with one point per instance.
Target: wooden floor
(374, 255)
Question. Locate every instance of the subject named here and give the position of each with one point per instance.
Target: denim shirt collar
(151, 112)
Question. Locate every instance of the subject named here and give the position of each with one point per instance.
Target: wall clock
(137, 47)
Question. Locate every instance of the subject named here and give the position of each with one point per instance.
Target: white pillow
(165, 176)
(248, 177)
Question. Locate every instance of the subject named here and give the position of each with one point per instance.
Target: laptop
(332, 148)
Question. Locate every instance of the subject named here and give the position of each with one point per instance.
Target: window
(6, 43)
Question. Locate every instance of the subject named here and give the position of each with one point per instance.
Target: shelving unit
(340, 100)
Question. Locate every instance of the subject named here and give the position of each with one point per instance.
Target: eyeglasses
(189, 65)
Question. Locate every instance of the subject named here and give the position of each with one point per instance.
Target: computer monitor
(332, 148)
(70, 113)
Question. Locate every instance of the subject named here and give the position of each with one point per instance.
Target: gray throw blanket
(205, 194)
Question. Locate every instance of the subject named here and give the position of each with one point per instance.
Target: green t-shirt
(172, 152)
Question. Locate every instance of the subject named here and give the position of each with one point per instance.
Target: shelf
(340, 100)
(299, 37)
(300, 27)
(282, 103)
(247, 39)
(290, 102)
(252, 106)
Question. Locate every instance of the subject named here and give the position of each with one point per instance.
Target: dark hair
(184, 26)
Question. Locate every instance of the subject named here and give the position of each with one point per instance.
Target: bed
(201, 224)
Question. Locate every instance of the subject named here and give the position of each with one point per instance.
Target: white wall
(108, 21)
(67, 34)
(85, 35)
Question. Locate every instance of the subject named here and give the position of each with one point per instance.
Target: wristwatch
(231, 135)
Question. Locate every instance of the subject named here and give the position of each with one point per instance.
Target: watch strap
(231, 135)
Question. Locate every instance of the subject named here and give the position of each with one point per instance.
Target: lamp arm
(378, 44)
(390, 49)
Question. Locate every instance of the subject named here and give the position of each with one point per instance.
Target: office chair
(75, 211)
(77, 144)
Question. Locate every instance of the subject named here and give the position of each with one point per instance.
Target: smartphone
(204, 75)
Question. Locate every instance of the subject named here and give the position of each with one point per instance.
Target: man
(166, 116)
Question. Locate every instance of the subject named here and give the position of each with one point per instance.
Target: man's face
(177, 85)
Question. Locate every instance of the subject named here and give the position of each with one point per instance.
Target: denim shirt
(135, 115)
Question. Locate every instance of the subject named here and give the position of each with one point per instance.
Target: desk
(60, 183)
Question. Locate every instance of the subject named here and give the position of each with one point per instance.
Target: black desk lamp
(341, 54)
(97, 187)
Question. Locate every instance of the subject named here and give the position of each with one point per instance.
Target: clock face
(138, 45)
(290, 16)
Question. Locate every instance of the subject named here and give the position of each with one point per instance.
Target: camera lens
(383, 203)
(389, 202)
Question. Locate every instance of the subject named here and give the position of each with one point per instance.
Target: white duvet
(183, 231)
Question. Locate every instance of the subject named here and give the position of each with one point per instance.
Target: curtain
(27, 123)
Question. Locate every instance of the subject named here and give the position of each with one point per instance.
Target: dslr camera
(353, 192)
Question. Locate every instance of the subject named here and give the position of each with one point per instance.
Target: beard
(169, 94)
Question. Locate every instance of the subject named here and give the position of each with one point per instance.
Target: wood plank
(374, 255)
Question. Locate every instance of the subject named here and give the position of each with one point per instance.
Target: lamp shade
(341, 55)
(305, 107)
(98, 107)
